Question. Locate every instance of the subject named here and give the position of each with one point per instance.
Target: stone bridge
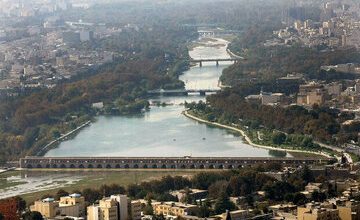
(158, 162)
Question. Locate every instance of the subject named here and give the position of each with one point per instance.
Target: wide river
(164, 131)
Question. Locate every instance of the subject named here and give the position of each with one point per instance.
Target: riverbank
(248, 140)
(33, 184)
(53, 143)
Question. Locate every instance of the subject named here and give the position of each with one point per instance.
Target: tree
(32, 216)
(307, 175)
(21, 203)
(60, 193)
(279, 138)
(223, 203)
(148, 210)
(91, 195)
(2, 217)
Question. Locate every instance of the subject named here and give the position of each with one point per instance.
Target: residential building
(106, 210)
(194, 194)
(114, 207)
(174, 208)
(72, 205)
(135, 210)
(317, 213)
(349, 210)
(236, 215)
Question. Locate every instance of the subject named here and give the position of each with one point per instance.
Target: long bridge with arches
(159, 162)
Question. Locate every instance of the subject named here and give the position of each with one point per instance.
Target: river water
(164, 131)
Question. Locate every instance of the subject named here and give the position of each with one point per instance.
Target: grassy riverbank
(261, 143)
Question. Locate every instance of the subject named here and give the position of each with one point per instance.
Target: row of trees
(323, 124)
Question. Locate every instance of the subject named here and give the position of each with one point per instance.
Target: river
(164, 131)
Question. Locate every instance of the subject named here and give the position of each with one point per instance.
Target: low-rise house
(174, 208)
(72, 205)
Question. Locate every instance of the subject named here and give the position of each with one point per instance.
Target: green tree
(60, 193)
(223, 203)
(279, 138)
(32, 216)
(21, 203)
(307, 175)
(148, 210)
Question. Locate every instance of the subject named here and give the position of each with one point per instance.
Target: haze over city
(179, 109)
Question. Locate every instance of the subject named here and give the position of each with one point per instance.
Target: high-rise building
(114, 207)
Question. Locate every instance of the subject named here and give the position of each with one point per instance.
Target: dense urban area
(292, 88)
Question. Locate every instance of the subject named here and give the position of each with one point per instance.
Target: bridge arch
(117, 166)
(126, 166)
(221, 166)
(47, 166)
(54, 166)
(108, 166)
(154, 166)
(192, 166)
(202, 166)
(211, 166)
(29, 166)
(230, 166)
(62, 166)
(90, 166)
(136, 166)
(163, 166)
(72, 166)
(145, 166)
(183, 166)
(39, 166)
(173, 166)
(99, 166)
(81, 166)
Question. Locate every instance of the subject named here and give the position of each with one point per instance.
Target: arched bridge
(202, 92)
(158, 162)
(217, 60)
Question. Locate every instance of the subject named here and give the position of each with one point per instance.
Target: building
(106, 210)
(193, 194)
(174, 208)
(114, 207)
(71, 37)
(349, 210)
(311, 94)
(72, 205)
(9, 209)
(73, 200)
(334, 88)
(268, 98)
(86, 35)
(317, 213)
(236, 215)
(135, 210)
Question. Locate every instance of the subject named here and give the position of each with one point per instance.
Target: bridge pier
(202, 93)
(200, 63)
(217, 63)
